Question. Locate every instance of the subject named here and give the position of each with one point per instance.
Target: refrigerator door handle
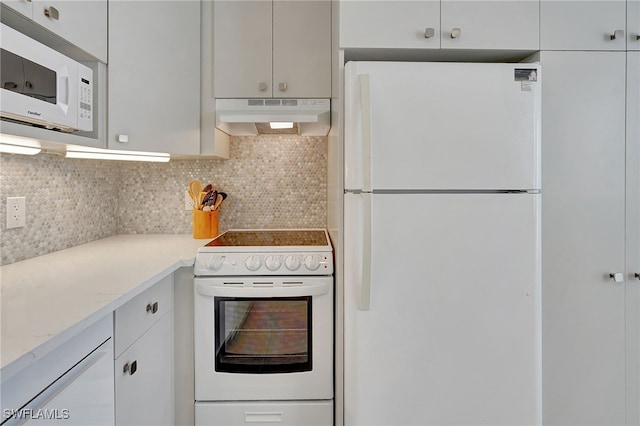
(365, 283)
(365, 103)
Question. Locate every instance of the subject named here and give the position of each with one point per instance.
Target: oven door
(263, 338)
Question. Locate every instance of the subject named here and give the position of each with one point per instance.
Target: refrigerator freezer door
(443, 126)
(452, 330)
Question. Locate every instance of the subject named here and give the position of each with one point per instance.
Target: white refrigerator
(442, 244)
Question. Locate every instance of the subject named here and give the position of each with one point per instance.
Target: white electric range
(263, 328)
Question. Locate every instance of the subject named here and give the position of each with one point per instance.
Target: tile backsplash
(272, 181)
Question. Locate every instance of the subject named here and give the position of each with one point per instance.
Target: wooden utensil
(195, 189)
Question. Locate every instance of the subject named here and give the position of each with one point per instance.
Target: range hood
(250, 117)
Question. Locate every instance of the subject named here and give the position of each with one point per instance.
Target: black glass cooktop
(278, 238)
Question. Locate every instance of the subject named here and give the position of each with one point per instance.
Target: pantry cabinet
(81, 23)
(154, 77)
(633, 238)
(144, 358)
(446, 24)
(585, 241)
(584, 24)
(272, 49)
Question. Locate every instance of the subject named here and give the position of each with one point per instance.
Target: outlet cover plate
(16, 212)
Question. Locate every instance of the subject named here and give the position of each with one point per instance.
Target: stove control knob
(292, 262)
(273, 263)
(312, 262)
(253, 263)
(215, 262)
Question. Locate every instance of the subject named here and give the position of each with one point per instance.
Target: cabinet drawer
(141, 312)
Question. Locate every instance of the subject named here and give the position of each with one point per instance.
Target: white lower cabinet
(144, 368)
(284, 413)
(73, 385)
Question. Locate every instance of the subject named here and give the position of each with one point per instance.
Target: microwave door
(39, 82)
(12, 71)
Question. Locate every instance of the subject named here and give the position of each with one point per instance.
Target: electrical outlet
(188, 201)
(16, 212)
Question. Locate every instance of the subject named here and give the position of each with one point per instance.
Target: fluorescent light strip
(76, 151)
(15, 149)
(17, 145)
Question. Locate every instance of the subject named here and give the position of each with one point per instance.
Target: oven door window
(263, 335)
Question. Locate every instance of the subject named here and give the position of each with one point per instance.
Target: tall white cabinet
(633, 237)
(583, 236)
(591, 212)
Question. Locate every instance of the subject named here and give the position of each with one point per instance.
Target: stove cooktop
(271, 238)
(241, 252)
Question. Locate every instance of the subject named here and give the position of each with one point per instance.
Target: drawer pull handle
(429, 33)
(456, 33)
(153, 308)
(52, 12)
(617, 34)
(617, 277)
(130, 368)
(637, 275)
(283, 87)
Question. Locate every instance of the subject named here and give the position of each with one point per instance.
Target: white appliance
(42, 86)
(249, 117)
(442, 244)
(263, 328)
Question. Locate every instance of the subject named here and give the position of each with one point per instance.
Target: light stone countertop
(47, 300)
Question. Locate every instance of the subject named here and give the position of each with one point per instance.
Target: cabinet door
(582, 25)
(302, 48)
(242, 49)
(633, 25)
(389, 24)
(83, 23)
(633, 237)
(583, 234)
(144, 392)
(23, 7)
(510, 24)
(154, 76)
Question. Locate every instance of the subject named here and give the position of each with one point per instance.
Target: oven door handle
(315, 289)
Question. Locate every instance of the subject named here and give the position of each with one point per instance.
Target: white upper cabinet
(302, 49)
(154, 76)
(446, 24)
(81, 23)
(583, 25)
(272, 49)
(242, 52)
(633, 24)
(390, 24)
(509, 25)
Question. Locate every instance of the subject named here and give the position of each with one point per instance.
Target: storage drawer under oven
(285, 413)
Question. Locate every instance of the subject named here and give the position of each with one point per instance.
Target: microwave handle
(64, 89)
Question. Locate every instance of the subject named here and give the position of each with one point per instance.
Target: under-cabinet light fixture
(281, 125)
(17, 145)
(112, 154)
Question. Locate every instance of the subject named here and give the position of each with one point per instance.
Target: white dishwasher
(73, 385)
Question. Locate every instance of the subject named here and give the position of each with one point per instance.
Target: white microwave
(43, 87)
